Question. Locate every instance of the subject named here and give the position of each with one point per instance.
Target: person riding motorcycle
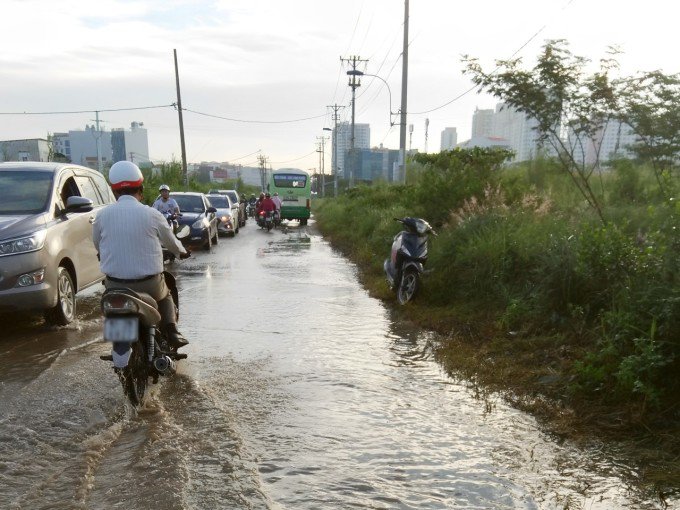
(258, 204)
(164, 203)
(277, 200)
(267, 205)
(129, 238)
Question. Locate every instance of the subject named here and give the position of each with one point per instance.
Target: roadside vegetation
(554, 280)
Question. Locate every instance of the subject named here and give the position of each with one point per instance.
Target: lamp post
(354, 72)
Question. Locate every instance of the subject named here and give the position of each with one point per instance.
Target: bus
(295, 191)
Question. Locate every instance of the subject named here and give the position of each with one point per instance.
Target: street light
(356, 72)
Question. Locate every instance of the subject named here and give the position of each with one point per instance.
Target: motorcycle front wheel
(135, 375)
(409, 286)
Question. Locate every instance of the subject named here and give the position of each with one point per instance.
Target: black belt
(132, 280)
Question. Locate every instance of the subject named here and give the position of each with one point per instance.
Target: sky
(257, 77)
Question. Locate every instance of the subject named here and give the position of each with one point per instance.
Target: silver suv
(46, 249)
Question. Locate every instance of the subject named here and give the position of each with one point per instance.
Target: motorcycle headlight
(33, 242)
(201, 223)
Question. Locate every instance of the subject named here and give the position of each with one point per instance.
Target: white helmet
(125, 174)
(164, 187)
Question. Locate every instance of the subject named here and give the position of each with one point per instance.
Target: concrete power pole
(322, 162)
(263, 171)
(181, 124)
(99, 143)
(354, 82)
(334, 161)
(404, 82)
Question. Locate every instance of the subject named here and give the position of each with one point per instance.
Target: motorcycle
(180, 232)
(405, 266)
(266, 220)
(250, 209)
(139, 348)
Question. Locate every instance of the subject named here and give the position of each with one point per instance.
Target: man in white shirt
(164, 203)
(128, 237)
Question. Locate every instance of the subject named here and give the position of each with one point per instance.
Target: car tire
(64, 312)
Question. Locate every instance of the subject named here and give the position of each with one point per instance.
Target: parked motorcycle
(139, 348)
(405, 266)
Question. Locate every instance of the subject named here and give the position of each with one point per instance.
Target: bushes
(522, 247)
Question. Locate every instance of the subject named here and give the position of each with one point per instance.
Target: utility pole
(181, 124)
(404, 82)
(322, 162)
(334, 160)
(263, 171)
(354, 82)
(98, 140)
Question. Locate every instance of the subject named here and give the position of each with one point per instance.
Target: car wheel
(64, 311)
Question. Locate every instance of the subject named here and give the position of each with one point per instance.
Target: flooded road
(300, 391)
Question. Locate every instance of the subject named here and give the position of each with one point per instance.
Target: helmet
(261, 195)
(125, 174)
(276, 194)
(252, 195)
(267, 195)
(164, 187)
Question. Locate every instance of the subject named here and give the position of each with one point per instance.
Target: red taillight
(261, 213)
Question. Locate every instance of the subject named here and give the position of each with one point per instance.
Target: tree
(650, 104)
(562, 99)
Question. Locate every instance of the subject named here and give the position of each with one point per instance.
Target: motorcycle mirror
(183, 232)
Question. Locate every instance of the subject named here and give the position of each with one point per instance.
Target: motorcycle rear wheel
(134, 377)
(408, 286)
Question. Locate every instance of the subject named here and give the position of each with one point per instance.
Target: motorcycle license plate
(121, 329)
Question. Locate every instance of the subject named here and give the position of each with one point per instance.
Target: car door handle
(91, 220)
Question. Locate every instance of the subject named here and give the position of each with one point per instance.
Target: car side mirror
(78, 204)
(211, 210)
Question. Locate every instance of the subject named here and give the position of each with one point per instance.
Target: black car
(197, 212)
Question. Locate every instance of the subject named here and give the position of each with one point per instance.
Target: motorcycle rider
(258, 204)
(128, 237)
(277, 201)
(164, 203)
(268, 205)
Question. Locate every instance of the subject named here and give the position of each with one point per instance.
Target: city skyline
(259, 76)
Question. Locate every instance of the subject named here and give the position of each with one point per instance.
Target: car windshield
(189, 203)
(220, 201)
(233, 196)
(24, 192)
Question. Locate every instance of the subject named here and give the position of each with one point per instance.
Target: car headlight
(33, 242)
(201, 223)
(225, 218)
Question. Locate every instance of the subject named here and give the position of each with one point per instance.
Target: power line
(494, 71)
(291, 160)
(172, 105)
(252, 121)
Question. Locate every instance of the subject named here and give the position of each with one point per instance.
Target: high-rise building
(449, 139)
(343, 138)
(132, 145)
(614, 140)
(482, 123)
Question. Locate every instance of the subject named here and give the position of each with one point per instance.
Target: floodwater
(300, 391)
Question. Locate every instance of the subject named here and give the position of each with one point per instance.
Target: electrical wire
(291, 160)
(252, 121)
(172, 105)
(495, 70)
